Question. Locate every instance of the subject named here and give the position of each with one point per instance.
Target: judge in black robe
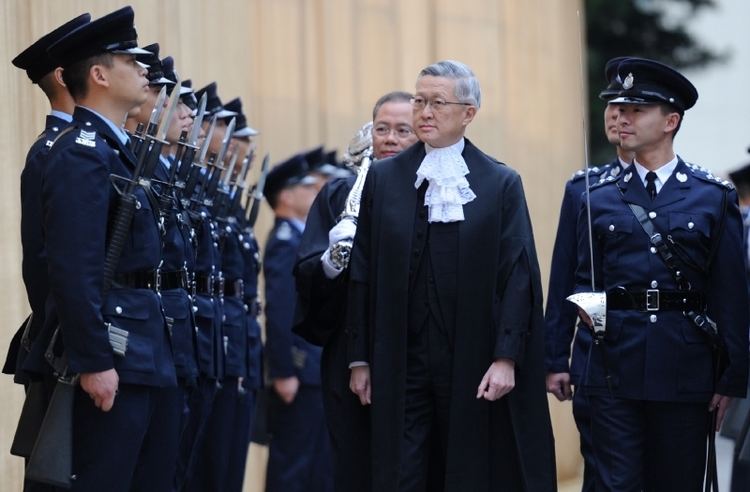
(490, 303)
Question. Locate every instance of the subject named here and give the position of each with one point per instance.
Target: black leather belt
(234, 288)
(139, 279)
(647, 300)
(174, 280)
(203, 283)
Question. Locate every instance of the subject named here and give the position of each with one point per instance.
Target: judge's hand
(498, 381)
(286, 388)
(720, 404)
(558, 383)
(585, 318)
(359, 383)
(101, 387)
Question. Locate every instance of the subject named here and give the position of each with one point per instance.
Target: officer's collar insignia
(627, 177)
(284, 232)
(615, 171)
(87, 139)
(627, 84)
(49, 143)
(681, 177)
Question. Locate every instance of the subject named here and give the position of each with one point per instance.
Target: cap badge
(627, 84)
(681, 177)
(627, 177)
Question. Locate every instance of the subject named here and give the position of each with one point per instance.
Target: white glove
(330, 271)
(345, 229)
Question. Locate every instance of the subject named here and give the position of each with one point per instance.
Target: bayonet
(161, 134)
(257, 194)
(207, 141)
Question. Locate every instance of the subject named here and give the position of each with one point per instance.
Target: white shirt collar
(662, 173)
(62, 115)
(623, 163)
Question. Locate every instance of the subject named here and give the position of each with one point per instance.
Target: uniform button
(652, 318)
(55, 129)
(118, 310)
(246, 308)
(195, 309)
(228, 229)
(611, 227)
(216, 245)
(691, 225)
(653, 249)
(88, 123)
(652, 215)
(654, 284)
(223, 318)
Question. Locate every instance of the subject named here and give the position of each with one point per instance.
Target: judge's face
(391, 129)
(440, 120)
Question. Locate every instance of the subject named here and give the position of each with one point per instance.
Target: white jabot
(445, 170)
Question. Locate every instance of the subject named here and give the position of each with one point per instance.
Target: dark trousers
(299, 458)
(582, 417)
(648, 445)
(220, 462)
(133, 447)
(347, 419)
(427, 408)
(200, 401)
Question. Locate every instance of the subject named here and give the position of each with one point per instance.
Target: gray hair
(395, 96)
(467, 85)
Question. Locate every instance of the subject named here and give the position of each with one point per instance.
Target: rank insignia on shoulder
(284, 232)
(86, 138)
(49, 143)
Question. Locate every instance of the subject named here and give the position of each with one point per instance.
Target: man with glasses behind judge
(321, 288)
(444, 313)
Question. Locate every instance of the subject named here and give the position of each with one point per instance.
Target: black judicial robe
(319, 319)
(502, 445)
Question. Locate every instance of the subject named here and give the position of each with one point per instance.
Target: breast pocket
(614, 232)
(144, 235)
(691, 235)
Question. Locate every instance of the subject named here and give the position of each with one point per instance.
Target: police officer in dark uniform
(124, 387)
(560, 315)
(667, 250)
(38, 380)
(299, 454)
(196, 466)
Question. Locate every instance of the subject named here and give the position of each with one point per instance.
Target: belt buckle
(652, 299)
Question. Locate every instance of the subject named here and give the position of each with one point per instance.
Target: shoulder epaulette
(594, 172)
(706, 176)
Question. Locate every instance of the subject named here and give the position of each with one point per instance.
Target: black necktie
(651, 184)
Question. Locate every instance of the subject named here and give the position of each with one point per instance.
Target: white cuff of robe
(358, 363)
(330, 271)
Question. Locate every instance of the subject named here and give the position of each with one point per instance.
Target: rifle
(190, 174)
(51, 459)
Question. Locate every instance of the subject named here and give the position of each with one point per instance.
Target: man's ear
(99, 75)
(58, 74)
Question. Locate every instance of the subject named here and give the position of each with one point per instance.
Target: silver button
(223, 319)
(652, 215)
(118, 310)
(611, 227)
(652, 318)
(88, 123)
(247, 308)
(55, 129)
(195, 309)
(652, 249)
(228, 229)
(691, 225)
(654, 284)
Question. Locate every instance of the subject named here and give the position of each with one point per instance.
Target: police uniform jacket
(251, 255)
(288, 354)
(178, 259)
(661, 355)
(78, 202)
(560, 316)
(235, 319)
(34, 265)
